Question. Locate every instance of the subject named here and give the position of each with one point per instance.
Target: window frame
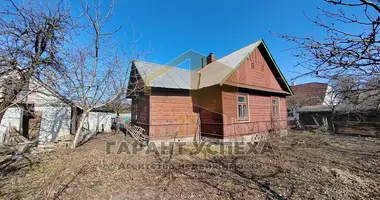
(134, 110)
(242, 104)
(275, 107)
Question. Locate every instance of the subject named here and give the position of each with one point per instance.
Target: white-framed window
(275, 108)
(242, 107)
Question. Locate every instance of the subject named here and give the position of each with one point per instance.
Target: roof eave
(256, 88)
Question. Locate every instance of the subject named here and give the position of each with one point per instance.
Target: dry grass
(313, 166)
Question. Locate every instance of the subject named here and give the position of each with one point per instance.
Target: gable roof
(234, 59)
(161, 76)
(311, 94)
(313, 89)
(34, 80)
(217, 72)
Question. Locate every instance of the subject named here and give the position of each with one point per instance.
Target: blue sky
(172, 27)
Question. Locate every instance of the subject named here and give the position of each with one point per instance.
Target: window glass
(275, 109)
(242, 107)
(240, 112)
(241, 99)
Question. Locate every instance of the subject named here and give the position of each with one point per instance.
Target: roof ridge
(162, 65)
(256, 42)
(310, 83)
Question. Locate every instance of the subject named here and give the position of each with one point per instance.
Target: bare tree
(371, 96)
(342, 93)
(340, 52)
(97, 66)
(351, 98)
(32, 36)
(120, 104)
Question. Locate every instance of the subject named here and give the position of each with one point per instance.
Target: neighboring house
(42, 115)
(314, 93)
(310, 104)
(240, 97)
(46, 116)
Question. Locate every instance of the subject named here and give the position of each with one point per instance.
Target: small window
(134, 110)
(242, 106)
(242, 99)
(275, 109)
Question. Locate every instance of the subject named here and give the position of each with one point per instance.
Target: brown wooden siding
(229, 100)
(142, 111)
(208, 103)
(260, 113)
(172, 115)
(255, 71)
(140, 108)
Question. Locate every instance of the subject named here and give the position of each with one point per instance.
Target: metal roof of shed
(316, 108)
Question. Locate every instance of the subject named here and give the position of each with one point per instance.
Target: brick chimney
(211, 58)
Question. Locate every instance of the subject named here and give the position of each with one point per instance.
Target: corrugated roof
(156, 75)
(215, 72)
(310, 93)
(233, 60)
(315, 108)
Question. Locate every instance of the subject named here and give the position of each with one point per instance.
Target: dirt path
(304, 166)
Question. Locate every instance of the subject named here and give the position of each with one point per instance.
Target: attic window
(252, 65)
(242, 106)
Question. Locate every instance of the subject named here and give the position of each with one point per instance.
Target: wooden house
(240, 97)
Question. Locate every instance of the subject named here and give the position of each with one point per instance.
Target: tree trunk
(2, 113)
(74, 117)
(332, 121)
(117, 122)
(79, 129)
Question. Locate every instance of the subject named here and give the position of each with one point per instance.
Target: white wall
(12, 117)
(55, 122)
(95, 120)
(330, 97)
(55, 114)
(43, 96)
